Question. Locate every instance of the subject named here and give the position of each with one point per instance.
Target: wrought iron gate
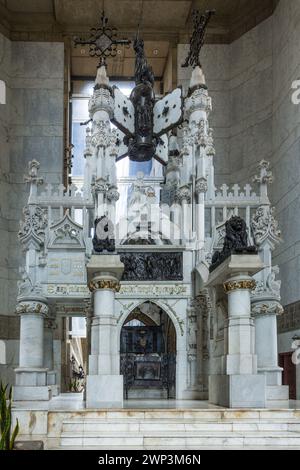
(144, 362)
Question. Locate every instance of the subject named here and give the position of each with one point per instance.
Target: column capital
(30, 307)
(267, 308)
(97, 284)
(239, 284)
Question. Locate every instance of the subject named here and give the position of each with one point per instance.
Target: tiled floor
(74, 401)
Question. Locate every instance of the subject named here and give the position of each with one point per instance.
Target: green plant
(7, 438)
(76, 385)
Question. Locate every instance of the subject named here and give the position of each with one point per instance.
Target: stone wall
(286, 144)
(254, 118)
(37, 81)
(239, 79)
(5, 54)
(31, 127)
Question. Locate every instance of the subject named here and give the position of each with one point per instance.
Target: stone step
(182, 439)
(183, 425)
(165, 415)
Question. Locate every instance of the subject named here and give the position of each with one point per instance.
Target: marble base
(104, 391)
(31, 376)
(238, 391)
(194, 395)
(147, 393)
(277, 393)
(273, 375)
(55, 390)
(51, 377)
(23, 393)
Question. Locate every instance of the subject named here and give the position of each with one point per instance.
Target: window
(82, 90)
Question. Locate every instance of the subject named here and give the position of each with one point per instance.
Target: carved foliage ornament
(183, 194)
(32, 308)
(267, 308)
(199, 100)
(265, 226)
(201, 185)
(104, 284)
(248, 284)
(32, 228)
(101, 100)
(102, 136)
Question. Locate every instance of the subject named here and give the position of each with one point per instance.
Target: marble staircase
(182, 429)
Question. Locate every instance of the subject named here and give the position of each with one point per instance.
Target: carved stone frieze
(152, 290)
(143, 266)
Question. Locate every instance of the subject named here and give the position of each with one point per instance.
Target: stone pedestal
(31, 375)
(238, 384)
(265, 312)
(104, 387)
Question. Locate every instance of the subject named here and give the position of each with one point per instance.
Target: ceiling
(163, 23)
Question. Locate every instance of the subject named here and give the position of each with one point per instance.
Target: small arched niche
(148, 353)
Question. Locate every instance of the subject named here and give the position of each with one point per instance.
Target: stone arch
(134, 359)
(163, 305)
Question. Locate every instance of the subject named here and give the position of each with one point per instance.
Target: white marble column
(201, 188)
(265, 314)
(104, 382)
(240, 352)
(31, 375)
(183, 195)
(237, 384)
(49, 328)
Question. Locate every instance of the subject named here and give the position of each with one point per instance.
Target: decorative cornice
(104, 284)
(247, 284)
